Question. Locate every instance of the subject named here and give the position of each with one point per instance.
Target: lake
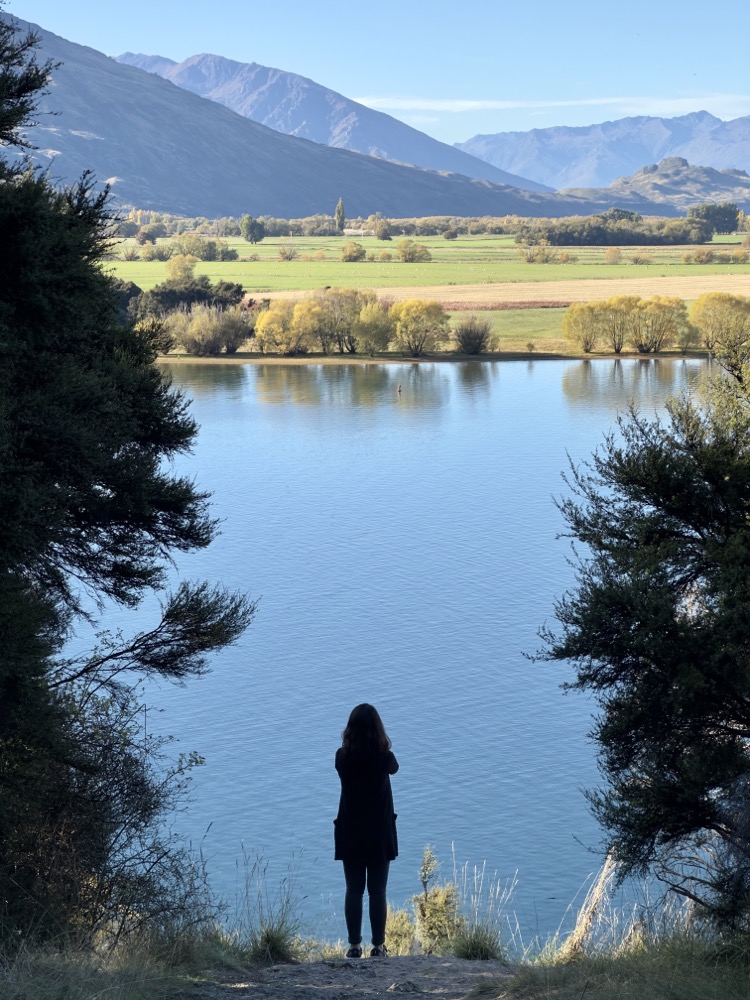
(404, 550)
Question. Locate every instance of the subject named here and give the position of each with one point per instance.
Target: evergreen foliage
(91, 512)
(657, 626)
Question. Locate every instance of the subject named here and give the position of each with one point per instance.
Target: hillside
(674, 181)
(300, 107)
(596, 155)
(164, 148)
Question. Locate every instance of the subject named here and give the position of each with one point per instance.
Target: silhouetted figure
(365, 827)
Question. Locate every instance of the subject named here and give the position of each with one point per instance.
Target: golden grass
(521, 294)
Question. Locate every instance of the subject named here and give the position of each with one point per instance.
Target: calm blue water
(404, 552)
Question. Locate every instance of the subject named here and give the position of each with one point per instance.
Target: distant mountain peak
(151, 64)
(676, 182)
(298, 106)
(593, 156)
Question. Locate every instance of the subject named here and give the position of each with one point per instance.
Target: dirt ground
(341, 979)
(581, 290)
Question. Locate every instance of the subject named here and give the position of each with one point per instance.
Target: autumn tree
(656, 322)
(374, 327)
(581, 325)
(181, 267)
(284, 328)
(420, 325)
(723, 321)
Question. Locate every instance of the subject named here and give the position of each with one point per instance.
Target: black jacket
(365, 828)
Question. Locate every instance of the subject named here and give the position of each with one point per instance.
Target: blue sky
(452, 69)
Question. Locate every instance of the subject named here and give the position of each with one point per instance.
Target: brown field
(526, 294)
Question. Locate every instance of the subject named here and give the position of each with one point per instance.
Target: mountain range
(297, 106)
(594, 156)
(164, 147)
(674, 182)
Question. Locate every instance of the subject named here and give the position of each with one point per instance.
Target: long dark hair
(365, 733)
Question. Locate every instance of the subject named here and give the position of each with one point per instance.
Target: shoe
(354, 952)
(379, 951)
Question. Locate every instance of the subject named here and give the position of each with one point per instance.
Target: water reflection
(605, 386)
(356, 385)
(613, 385)
(475, 377)
(208, 379)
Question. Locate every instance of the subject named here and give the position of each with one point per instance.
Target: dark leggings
(359, 874)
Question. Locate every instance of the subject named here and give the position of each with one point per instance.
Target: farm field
(524, 301)
(468, 260)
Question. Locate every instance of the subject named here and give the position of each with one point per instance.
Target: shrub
(156, 251)
(353, 251)
(181, 267)
(612, 255)
(130, 253)
(702, 255)
(413, 253)
(473, 335)
(538, 253)
(436, 909)
(205, 330)
(739, 256)
(288, 251)
(566, 257)
(382, 230)
(400, 932)
(385, 255)
(640, 258)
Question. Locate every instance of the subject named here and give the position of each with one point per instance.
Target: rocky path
(372, 979)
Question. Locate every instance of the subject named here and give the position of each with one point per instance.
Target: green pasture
(515, 329)
(466, 260)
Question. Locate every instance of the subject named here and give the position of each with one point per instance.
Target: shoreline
(255, 358)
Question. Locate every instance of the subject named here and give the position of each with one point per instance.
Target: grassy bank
(656, 954)
(677, 964)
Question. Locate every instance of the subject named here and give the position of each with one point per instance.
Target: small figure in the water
(399, 389)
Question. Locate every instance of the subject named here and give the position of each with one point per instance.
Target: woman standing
(365, 828)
